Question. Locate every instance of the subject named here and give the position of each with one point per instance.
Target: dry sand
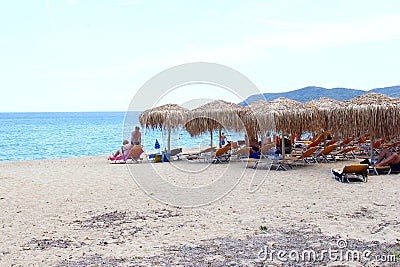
(72, 211)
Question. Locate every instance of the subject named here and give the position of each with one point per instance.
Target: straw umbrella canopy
(374, 113)
(325, 110)
(257, 118)
(212, 116)
(280, 115)
(396, 100)
(292, 116)
(169, 116)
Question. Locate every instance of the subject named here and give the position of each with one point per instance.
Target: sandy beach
(85, 212)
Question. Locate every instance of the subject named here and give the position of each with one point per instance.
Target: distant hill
(312, 92)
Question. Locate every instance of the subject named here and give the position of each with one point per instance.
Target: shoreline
(185, 150)
(79, 209)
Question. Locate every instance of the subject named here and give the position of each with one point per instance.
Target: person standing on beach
(136, 137)
(223, 139)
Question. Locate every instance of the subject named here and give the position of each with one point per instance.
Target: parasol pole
(211, 137)
(372, 140)
(169, 140)
(283, 146)
(220, 134)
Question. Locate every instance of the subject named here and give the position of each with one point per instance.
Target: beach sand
(82, 211)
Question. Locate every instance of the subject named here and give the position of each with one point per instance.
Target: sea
(52, 135)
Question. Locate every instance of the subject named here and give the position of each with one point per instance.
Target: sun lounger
(267, 159)
(362, 140)
(234, 146)
(242, 153)
(202, 155)
(326, 152)
(390, 145)
(268, 163)
(250, 162)
(365, 149)
(331, 142)
(221, 155)
(359, 171)
(380, 169)
(314, 143)
(132, 154)
(347, 141)
(386, 169)
(266, 150)
(345, 153)
(277, 164)
(176, 152)
(212, 155)
(306, 157)
(378, 145)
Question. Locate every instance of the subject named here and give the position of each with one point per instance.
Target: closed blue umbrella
(157, 145)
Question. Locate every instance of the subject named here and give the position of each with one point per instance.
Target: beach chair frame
(358, 171)
(345, 153)
(326, 152)
(133, 154)
(221, 155)
(305, 157)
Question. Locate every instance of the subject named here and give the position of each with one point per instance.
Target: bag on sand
(157, 158)
(165, 157)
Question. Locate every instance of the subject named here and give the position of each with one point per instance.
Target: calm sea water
(32, 136)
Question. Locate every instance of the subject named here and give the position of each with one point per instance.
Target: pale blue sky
(75, 55)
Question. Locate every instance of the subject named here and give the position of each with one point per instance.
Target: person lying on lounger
(126, 146)
(386, 157)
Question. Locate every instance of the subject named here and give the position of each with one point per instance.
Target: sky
(93, 55)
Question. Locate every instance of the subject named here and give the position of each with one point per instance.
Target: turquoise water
(32, 136)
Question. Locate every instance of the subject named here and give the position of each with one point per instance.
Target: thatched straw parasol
(258, 118)
(377, 114)
(169, 116)
(212, 116)
(280, 115)
(292, 116)
(325, 110)
(396, 100)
